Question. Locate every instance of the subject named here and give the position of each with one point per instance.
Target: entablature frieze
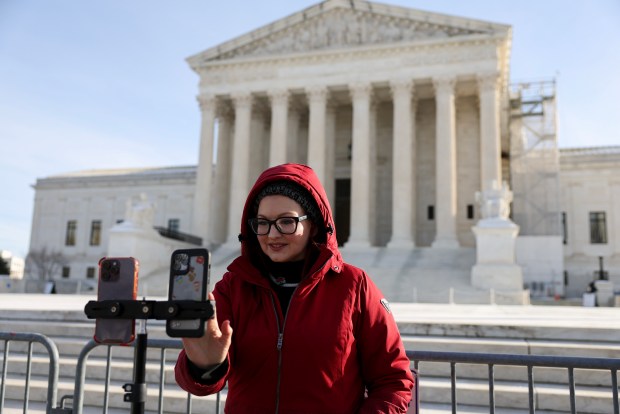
(470, 56)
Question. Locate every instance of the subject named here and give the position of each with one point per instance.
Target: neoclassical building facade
(402, 113)
(406, 116)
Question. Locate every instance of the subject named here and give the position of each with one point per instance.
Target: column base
(401, 244)
(357, 245)
(445, 244)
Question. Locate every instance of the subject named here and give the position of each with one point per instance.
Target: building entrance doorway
(342, 210)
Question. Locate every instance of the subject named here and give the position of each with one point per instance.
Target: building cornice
(82, 179)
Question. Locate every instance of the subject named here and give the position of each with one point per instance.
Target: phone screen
(189, 278)
(118, 280)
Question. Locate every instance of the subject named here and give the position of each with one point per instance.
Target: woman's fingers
(212, 347)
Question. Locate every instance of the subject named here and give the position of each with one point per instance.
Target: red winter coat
(337, 341)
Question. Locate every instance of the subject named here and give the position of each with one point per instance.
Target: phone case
(189, 279)
(118, 280)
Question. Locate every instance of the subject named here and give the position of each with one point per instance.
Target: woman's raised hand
(212, 348)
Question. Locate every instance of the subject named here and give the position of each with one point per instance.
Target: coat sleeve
(188, 383)
(385, 365)
(182, 372)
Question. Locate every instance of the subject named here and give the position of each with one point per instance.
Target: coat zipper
(281, 336)
(279, 345)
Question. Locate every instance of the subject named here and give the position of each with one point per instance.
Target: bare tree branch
(46, 263)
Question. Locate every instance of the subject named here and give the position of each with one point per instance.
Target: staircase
(483, 329)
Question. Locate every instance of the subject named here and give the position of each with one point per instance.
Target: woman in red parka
(297, 330)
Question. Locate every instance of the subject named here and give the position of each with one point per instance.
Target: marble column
(360, 168)
(403, 180)
(279, 120)
(240, 184)
(220, 198)
(292, 148)
(330, 134)
(201, 212)
(317, 98)
(490, 142)
(445, 165)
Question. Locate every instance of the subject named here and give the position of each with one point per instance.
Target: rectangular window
(598, 227)
(470, 211)
(174, 225)
(70, 235)
(430, 212)
(564, 228)
(66, 271)
(95, 233)
(90, 273)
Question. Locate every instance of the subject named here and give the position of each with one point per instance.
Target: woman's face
(283, 247)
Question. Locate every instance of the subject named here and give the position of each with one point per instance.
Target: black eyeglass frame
(275, 223)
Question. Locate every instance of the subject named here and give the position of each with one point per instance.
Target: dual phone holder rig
(135, 392)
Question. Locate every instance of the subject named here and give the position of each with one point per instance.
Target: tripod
(135, 393)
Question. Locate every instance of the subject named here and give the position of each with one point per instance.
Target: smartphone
(118, 280)
(189, 280)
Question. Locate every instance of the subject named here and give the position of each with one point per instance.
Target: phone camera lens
(115, 268)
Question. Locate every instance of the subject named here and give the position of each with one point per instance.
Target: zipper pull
(280, 339)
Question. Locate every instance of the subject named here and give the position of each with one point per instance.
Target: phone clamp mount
(135, 392)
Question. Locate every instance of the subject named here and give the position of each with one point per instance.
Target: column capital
(401, 85)
(317, 93)
(279, 96)
(360, 90)
(207, 102)
(444, 84)
(242, 99)
(488, 82)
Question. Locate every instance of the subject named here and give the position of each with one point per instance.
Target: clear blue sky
(104, 84)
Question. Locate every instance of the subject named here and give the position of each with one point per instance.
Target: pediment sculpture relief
(344, 28)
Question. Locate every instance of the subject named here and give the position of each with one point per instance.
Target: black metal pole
(139, 373)
(601, 271)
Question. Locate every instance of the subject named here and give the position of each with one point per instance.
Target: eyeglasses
(285, 225)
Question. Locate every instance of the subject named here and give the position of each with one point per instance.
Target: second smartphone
(189, 279)
(118, 280)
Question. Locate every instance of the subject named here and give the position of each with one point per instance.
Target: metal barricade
(80, 375)
(52, 350)
(530, 361)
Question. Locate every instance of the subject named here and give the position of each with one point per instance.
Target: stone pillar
(360, 168)
(403, 180)
(201, 212)
(317, 98)
(330, 134)
(445, 165)
(490, 142)
(292, 148)
(240, 185)
(220, 198)
(496, 235)
(279, 121)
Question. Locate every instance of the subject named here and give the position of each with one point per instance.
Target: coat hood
(306, 178)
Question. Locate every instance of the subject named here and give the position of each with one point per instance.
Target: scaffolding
(534, 158)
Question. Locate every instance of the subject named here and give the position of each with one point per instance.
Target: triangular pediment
(338, 24)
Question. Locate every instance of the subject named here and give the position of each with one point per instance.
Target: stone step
(175, 399)
(472, 393)
(121, 370)
(59, 328)
(514, 395)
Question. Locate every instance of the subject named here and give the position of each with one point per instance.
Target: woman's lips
(277, 246)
